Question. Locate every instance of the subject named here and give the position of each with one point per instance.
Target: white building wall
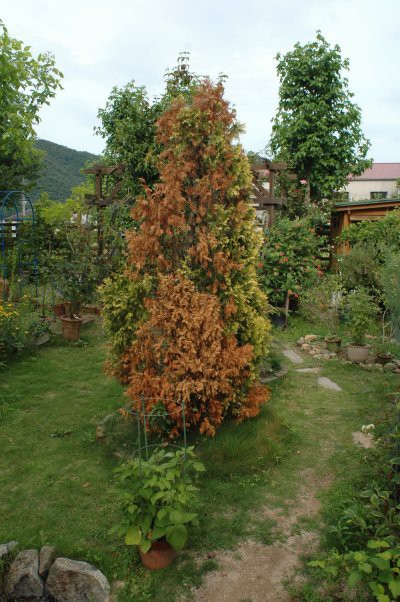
(360, 190)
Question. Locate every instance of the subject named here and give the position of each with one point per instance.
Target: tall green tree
(128, 125)
(27, 83)
(317, 128)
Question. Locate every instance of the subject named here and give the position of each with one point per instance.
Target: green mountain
(61, 170)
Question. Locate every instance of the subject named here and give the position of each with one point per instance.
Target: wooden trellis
(265, 200)
(101, 201)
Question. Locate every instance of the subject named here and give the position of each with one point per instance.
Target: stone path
(327, 383)
(254, 572)
(294, 357)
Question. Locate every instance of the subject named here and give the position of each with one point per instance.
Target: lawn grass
(56, 480)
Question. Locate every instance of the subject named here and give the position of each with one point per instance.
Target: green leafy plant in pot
(160, 503)
(75, 284)
(360, 311)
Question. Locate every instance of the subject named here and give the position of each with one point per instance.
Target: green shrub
(288, 263)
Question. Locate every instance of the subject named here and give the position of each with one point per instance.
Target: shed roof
(380, 171)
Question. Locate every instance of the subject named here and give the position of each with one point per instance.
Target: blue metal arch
(13, 200)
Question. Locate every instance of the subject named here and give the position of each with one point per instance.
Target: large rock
(47, 556)
(6, 548)
(74, 581)
(22, 579)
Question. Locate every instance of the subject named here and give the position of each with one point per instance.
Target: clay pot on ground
(333, 344)
(71, 328)
(160, 555)
(59, 310)
(383, 358)
(357, 353)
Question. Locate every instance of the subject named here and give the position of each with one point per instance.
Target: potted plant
(160, 503)
(333, 343)
(75, 284)
(383, 356)
(39, 331)
(360, 311)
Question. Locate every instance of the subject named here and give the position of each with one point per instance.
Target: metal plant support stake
(16, 209)
(144, 428)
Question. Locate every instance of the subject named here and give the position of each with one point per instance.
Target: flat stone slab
(293, 356)
(323, 381)
(315, 370)
(365, 440)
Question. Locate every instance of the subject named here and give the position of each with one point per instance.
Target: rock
(292, 356)
(389, 367)
(318, 356)
(310, 337)
(378, 367)
(326, 356)
(100, 432)
(327, 383)
(74, 581)
(22, 579)
(47, 556)
(306, 347)
(300, 342)
(312, 351)
(6, 548)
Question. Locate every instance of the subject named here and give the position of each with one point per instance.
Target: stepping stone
(293, 356)
(366, 440)
(309, 370)
(328, 384)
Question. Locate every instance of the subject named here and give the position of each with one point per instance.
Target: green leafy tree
(317, 128)
(27, 83)
(129, 125)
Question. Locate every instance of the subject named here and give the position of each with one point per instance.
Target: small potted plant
(383, 356)
(360, 311)
(160, 503)
(75, 284)
(39, 331)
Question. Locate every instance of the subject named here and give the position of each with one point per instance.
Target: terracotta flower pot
(71, 328)
(160, 555)
(357, 353)
(59, 310)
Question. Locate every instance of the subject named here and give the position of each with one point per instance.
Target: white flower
(368, 428)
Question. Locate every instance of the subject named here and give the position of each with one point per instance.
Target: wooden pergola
(101, 200)
(344, 214)
(263, 199)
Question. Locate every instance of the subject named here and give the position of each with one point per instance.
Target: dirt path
(255, 572)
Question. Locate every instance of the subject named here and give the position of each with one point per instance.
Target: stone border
(316, 347)
(40, 576)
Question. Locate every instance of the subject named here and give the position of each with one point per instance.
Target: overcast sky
(99, 44)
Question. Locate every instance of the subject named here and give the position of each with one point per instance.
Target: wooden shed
(344, 214)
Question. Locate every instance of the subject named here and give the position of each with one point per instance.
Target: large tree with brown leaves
(203, 329)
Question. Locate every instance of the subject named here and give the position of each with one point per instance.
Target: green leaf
(394, 587)
(177, 536)
(383, 598)
(354, 578)
(179, 516)
(374, 544)
(383, 565)
(133, 536)
(145, 545)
